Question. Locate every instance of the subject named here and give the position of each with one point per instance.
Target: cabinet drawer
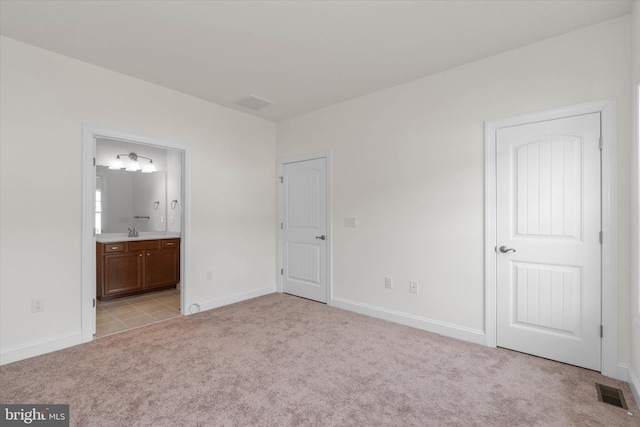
(170, 243)
(143, 244)
(114, 247)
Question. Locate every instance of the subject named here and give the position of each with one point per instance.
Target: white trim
(635, 207)
(88, 288)
(607, 108)
(232, 299)
(490, 239)
(634, 383)
(185, 262)
(88, 239)
(280, 200)
(610, 239)
(447, 329)
(36, 348)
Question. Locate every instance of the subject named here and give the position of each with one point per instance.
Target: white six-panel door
(548, 226)
(304, 229)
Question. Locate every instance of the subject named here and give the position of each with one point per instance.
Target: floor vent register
(610, 395)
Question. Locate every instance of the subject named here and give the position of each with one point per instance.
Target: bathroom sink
(122, 237)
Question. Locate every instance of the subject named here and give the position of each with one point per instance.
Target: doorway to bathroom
(138, 226)
(134, 231)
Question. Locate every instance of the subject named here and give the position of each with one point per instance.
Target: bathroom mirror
(127, 199)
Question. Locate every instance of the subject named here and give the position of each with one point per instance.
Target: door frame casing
(88, 257)
(609, 280)
(280, 218)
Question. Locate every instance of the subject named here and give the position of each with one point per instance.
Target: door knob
(505, 249)
(321, 237)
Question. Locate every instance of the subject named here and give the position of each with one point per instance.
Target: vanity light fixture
(117, 163)
(134, 165)
(149, 168)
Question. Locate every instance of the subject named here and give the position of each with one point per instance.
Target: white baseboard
(622, 373)
(634, 384)
(232, 299)
(36, 348)
(438, 327)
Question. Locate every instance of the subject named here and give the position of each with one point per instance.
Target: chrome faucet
(132, 233)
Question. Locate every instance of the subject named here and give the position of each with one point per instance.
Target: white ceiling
(303, 55)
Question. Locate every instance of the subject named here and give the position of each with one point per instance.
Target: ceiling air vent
(254, 102)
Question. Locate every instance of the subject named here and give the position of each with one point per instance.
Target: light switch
(350, 222)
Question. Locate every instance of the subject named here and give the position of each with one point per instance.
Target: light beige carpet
(279, 360)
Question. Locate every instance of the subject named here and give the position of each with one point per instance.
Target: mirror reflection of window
(98, 220)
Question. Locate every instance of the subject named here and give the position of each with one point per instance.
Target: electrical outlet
(413, 287)
(209, 275)
(388, 283)
(37, 304)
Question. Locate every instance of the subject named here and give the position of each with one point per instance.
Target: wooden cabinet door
(162, 268)
(123, 273)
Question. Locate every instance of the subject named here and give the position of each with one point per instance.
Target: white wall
(635, 189)
(45, 98)
(408, 162)
(174, 191)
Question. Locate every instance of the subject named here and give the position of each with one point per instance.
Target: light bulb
(117, 164)
(133, 166)
(149, 168)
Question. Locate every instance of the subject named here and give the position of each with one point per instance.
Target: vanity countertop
(122, 237)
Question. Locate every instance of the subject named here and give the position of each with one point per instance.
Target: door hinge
(282, 271)
(94, 303)
(600, 237)
(600, 143)
(94, 232)
(601, 331)
(94, 161)
(281, 179)
(282, 226)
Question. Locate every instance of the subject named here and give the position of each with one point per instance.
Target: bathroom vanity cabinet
(135, 267)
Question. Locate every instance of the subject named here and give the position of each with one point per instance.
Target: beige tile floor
(139, 310)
